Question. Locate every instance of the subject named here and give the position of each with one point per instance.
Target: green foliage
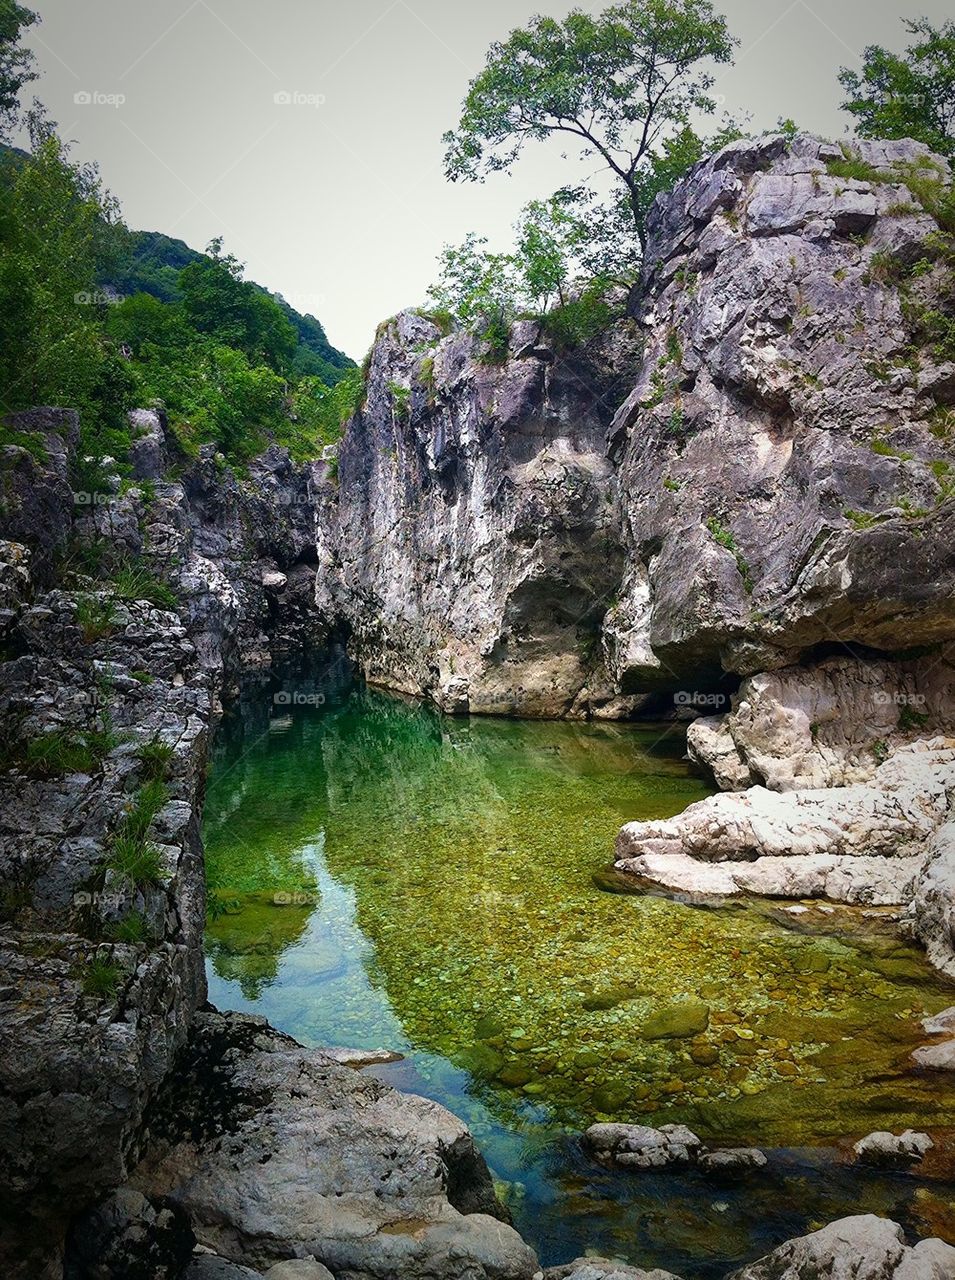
(135, 860)
(223, 307)
(63, 751)
(53, 218)
(400, 400)
(582, 319)
(132, 929)
(101, 978)
(133, 581)
(861, 519)
(156, 756)
(150, 798)
(619, 83)
(910, 95)
(150, 263)
(722, 535)
(319, 413)
(910, 719)
(16, 64)
(95, 617)
(32, 441)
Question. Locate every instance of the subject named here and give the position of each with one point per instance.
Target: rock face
(776, 485)
(471, 547)
(290, 1154)
(864, 1247)
(107, 702)
(824, 726)
(780, 485)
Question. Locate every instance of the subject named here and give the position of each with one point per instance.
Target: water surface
(384, 877)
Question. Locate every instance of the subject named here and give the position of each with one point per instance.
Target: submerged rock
(676, 1021)
(864, 1247)
(893, 1151)
(732, 1160)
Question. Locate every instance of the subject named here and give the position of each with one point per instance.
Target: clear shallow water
(384, 877)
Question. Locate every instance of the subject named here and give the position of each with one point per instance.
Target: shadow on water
(384, 877)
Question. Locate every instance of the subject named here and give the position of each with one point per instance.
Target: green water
(387, 878)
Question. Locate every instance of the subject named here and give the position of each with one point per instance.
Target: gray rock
(863, 1247)
(940, 1023)
(603, 1269)
(128, 1235)
(732, 1160)
(299, 1269)
(207, 1266)
(893, 1150)
(311, 1158)
(936, 1057)
(863, 843)
(637, 1146)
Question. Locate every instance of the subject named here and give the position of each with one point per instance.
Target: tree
(16, 64)
(218, 303)
(622, 84)
(910, 95)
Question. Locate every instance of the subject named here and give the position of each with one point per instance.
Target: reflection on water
(383, 877)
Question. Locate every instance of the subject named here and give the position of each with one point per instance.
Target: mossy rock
(676, 1021)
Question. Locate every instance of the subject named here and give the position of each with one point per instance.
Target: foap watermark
(884, 698)
(98, 298)
(696, 698)
(296, 698)
(296, 897)
(97, 98)
(83, 499)
(297, 98)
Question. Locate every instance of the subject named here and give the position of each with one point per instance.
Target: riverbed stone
(891, 1150)
(676, 1021)
(732, 1160)
(637, 1146)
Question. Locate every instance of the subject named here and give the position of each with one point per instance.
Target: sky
(307, 133)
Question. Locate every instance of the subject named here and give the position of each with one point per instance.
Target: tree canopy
(908, 95)
(16, 64)
(624, 84)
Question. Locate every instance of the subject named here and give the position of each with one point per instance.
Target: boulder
(864, 1247)
(868, 842)
(637, 1146)
(303, 1157)
(732, 1160)
(895, 1151)
(603, 1269)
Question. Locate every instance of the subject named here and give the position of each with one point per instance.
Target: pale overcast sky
(337, 199)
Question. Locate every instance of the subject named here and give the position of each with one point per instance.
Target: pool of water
(384, 877)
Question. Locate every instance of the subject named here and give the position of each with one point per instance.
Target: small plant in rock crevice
(96, 618)
(101, 978)
(724, 537)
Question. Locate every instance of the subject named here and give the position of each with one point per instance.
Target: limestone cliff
(770, 483)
